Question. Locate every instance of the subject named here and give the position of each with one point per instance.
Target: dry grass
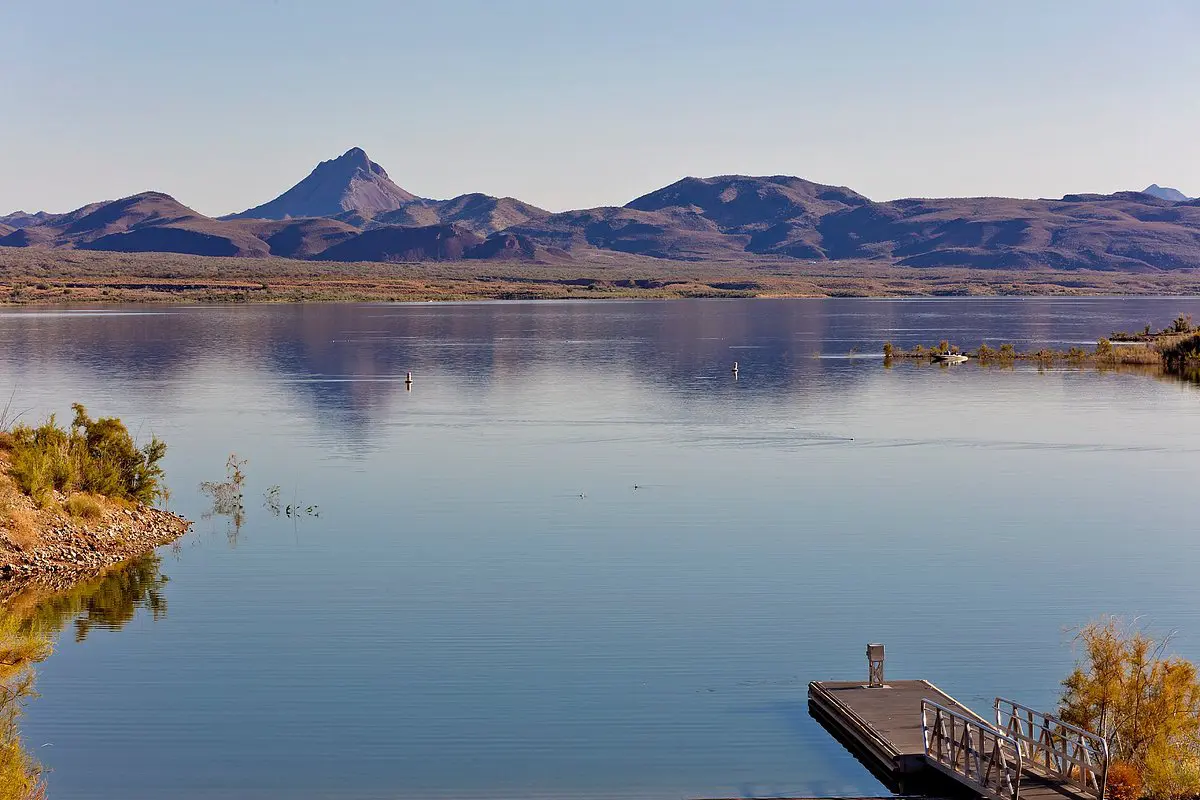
(19, 526)
(18, 522)
(85, 506)
(39, 276)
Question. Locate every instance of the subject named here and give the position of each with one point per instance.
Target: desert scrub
(93, 456)
(84, 506)
(1180, 351)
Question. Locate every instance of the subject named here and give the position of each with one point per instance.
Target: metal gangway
(1025, 755)
(1060, 753)
(971, 751)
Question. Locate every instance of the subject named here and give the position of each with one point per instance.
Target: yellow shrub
(1145, 702)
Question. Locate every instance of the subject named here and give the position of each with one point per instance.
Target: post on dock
(875, 666)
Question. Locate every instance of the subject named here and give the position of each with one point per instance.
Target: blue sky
(569, 104)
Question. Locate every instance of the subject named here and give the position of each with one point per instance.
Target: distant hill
(351, 182)
(349, 210)
(480, 213)
(156, 222)
(1166, 193)
(21, 219)
(425, 243)
(355, 190)
(301, 238)
(146, 222)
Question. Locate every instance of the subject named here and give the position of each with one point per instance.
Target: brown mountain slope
(743, 204)
(774, 215)
(1127, 231)
(22, 219)
(735, 216)
(147, 222)
(302, 238)
(350, 182)
(5, 230)
(394, 243)
(479, 213)
(682, 235)
(506, 246)
(155, 222)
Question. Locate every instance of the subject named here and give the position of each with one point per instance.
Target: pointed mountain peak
(355, 155)
(1165, 193)
(350, 182)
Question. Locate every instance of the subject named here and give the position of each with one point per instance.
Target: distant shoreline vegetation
(1175, 349)
(41, 277)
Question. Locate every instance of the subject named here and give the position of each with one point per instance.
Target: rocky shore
(62, 546)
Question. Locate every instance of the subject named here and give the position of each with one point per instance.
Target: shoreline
(32, 277)
(69, 549)
(47, 543)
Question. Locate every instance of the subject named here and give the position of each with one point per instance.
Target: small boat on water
(950, 358)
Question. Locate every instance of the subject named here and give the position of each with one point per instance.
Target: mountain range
(348, 209)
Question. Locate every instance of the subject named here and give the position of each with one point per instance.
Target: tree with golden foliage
(1145, 703)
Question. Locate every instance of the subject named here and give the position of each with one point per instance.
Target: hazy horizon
(564, 106)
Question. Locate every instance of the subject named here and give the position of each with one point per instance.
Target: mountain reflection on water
(352, 359)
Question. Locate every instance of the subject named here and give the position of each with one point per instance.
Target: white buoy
(408, 382)
(735, 369)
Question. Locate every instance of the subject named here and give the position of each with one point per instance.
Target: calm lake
(482, 605)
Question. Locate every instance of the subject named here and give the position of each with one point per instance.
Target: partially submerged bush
(1180, 351)
(96, 456)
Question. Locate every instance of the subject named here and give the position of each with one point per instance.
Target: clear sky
(577, 103)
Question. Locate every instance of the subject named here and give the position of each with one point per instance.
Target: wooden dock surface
(882, 727)
(884, 722)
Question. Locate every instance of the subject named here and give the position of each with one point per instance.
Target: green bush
(97, 456)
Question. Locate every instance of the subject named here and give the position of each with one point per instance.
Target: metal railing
(1057, 749)
(985, 758)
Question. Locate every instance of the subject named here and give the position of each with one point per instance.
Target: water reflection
(31, 617)
(349, 362)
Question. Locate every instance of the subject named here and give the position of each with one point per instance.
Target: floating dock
(882, 724)
(913, 737)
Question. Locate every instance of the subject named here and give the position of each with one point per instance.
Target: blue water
(483, 606)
